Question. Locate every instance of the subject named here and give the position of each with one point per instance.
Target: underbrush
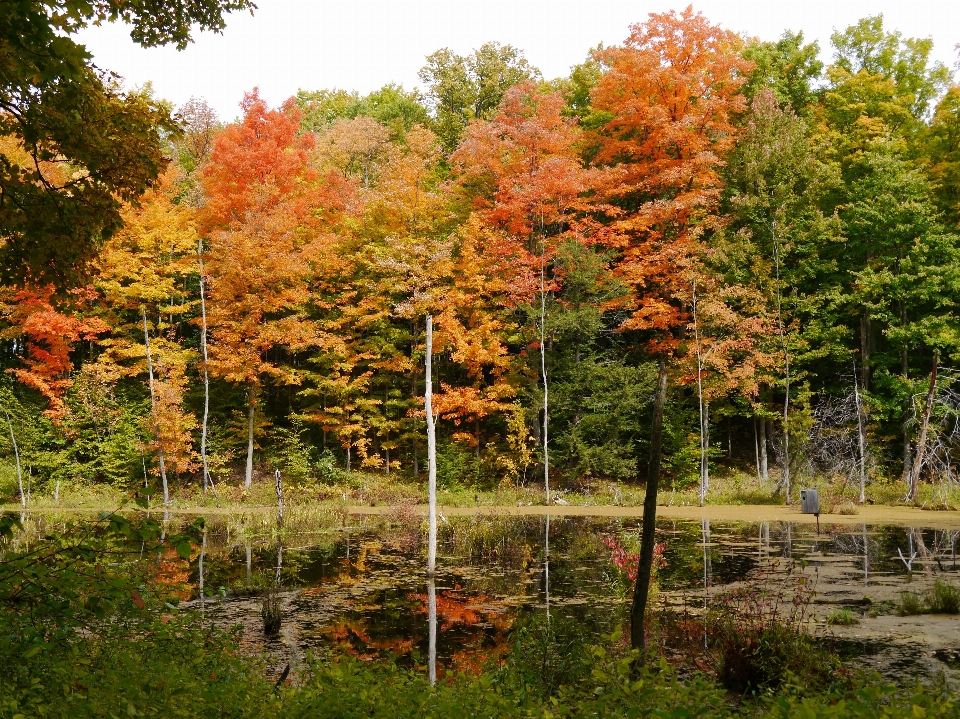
(146, 667)
(753, 639)
(941, 598)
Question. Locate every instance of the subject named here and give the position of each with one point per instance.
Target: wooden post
(431, 454)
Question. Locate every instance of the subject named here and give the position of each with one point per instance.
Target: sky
(364, 44)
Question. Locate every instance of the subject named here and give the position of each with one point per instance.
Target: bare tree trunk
(907, 455)
(207, 479)
(764, 470)
(432, 619)
(153, 407)
(924, 425)
(641, 589)
(431, 455)
(16, 456)
(248, 480)
(543, 368)
(756, 449)
(861, 436)
(704, 470)
(785, 479)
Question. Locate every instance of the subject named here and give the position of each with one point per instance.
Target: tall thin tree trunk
(248, 479)
(764, 468)
(641, 589)
(861, 436)
(153, 408)
(756, 449)
(543, 368)
(924, 425)
(704, 469)
(785, 479)
(207, 479)
(431, 455)
(413, 397)
(16, 456)
(907, 454)
(432, 619)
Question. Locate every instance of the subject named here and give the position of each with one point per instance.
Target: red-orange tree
(671, 89)
(263, 241)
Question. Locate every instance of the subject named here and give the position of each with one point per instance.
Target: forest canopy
(778, 234)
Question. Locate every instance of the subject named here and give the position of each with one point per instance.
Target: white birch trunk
(543, 372)
(785, 479)
(704, 459)
(431, 454)
(16, 456)
(207, 479)
(249, 476)
(861, 438)
(153, 408)
(432, 616)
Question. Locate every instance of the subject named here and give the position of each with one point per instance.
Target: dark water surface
(363, 589)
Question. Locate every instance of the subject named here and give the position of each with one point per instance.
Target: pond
(361, 587)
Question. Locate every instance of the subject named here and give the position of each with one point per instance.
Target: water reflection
(362, 590)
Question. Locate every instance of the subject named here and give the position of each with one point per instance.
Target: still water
(362, 588)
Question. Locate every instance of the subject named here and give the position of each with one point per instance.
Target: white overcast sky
(364, 44)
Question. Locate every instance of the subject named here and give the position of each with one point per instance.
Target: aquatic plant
(842, 618)
(271, 613)
(943, 598)
(910, 604)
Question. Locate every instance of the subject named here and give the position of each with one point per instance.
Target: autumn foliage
(721, 209)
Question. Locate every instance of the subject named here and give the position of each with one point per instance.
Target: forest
(773, 240)
(701, 264)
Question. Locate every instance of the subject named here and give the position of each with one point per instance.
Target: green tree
(460, 89)
(788, 67)
(57, 110)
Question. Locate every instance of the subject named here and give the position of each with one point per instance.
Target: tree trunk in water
(764, 470)
(153, 408)
(431, 455)
(249, 476)
(922, 441)
(642, 588)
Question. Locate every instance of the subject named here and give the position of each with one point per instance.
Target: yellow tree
(144, 275)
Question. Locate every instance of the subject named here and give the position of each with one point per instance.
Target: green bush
(944, 598)
(842, 618)
(910, 604)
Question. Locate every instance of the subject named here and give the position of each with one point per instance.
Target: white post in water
(431, 454)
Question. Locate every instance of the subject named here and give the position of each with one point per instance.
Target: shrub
(910, 604)
(846, 507)
(944, 598)
(271, 613)
(842, 617)
(758, 638)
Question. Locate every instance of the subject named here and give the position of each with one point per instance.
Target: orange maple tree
(49, 334)
(672, 90)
